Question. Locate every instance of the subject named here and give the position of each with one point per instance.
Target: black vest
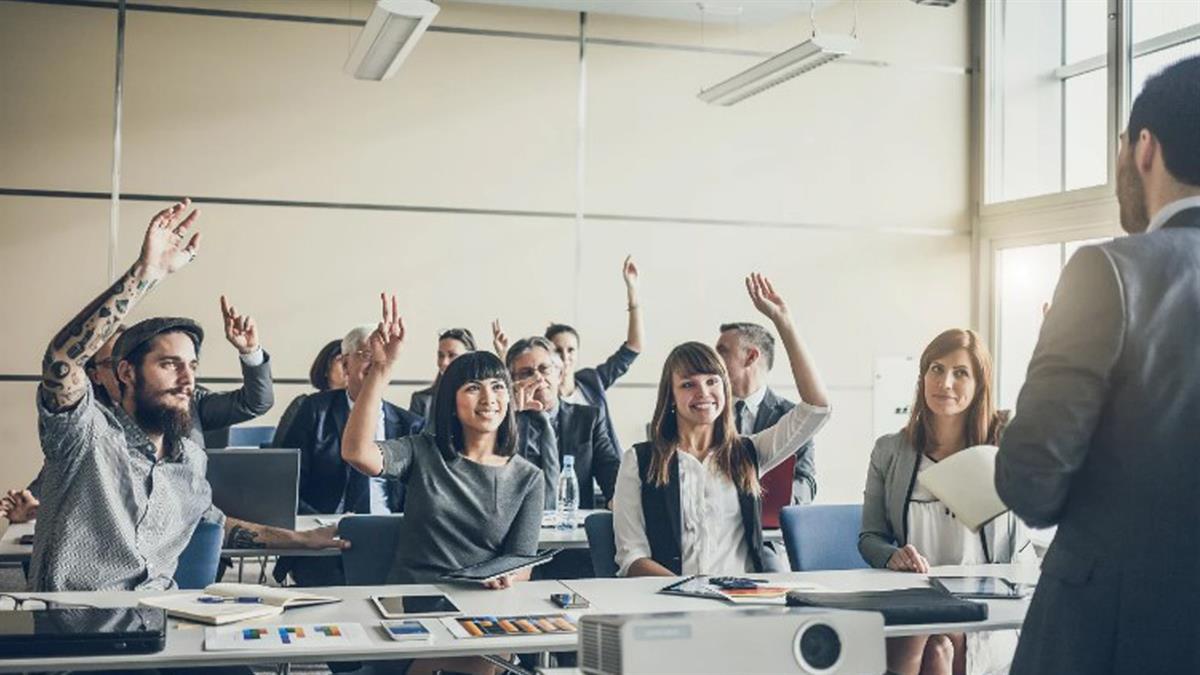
(662, 513)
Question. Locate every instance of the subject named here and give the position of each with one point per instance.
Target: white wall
(238, 108)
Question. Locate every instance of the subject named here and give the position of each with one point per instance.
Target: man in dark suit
(1106, 437)
(748, 351)
(327, 483)
(580, 430)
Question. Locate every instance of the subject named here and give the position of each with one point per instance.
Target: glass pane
(1027, 276)
(1087, 29)
(1152, 18)
(1145, 66)
(1086, 117)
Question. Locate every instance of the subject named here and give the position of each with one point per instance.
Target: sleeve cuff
(253, 359)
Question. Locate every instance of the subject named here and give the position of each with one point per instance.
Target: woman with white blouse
(689, 500)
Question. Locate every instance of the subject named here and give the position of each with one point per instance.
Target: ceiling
(709, 11)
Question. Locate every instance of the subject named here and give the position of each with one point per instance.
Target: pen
(241, 600)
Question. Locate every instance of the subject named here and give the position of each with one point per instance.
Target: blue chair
(198, 563)
(373, 541)
(602, 544)
(251, 437)
(822, 536)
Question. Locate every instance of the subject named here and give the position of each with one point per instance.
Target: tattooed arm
(166, 249)
(241, 534)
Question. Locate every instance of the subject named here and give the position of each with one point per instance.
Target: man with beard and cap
(1106, 436)
(124, 486)
(212, 412)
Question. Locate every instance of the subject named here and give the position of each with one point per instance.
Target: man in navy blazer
(1106, 437)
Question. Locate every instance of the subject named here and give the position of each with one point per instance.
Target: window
(1046, 114)
(1026, 279)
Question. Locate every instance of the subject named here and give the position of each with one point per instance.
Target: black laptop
(258, 485)
(82, 631)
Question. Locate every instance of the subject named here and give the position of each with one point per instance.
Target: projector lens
(820, 647)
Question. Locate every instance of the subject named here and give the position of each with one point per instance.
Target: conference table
(185, 640)
(11, 550)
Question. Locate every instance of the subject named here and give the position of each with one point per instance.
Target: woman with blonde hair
(905, 528)
(689, 501)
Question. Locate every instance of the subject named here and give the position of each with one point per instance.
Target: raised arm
(499, 340)
(168, 246)
(358, 440)
(256, 396)
(633, 337)
(771, 304)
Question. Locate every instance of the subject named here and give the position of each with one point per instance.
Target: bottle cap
(568, 461)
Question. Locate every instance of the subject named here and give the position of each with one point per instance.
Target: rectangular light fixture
(389, 37)
(818, 51)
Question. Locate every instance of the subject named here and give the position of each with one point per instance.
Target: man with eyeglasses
(327, 483)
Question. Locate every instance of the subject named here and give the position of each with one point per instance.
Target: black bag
(902, 607)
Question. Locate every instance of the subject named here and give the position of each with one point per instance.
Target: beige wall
(224, 107)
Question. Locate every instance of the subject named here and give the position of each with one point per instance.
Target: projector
(793, 640)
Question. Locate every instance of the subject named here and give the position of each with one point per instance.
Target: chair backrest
(372, 551)
(822, 536)
(601, 544)
(197, 566)
(251, 437)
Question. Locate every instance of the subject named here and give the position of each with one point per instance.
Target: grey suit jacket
(539, 444)
(804, 476)
(214, 412)
(1106, 443)
(890, 478)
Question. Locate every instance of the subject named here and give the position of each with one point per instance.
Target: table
(550, 537)
(185, 640)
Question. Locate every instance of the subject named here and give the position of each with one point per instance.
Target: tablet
(498, 567)
(980, 587)
(407, 606)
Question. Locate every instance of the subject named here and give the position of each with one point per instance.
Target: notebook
(900, 607)
(965, 483)
(227, 603)
(81, 631)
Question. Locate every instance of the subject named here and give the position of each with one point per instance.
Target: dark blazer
(804, 477)
(594, 383)
(1105, 444)
(213, 412)
(579, 431)
(421, 404)
(537, 443)
(324, 477)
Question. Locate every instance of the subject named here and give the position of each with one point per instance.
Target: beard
(156, 418)
(1131, 195)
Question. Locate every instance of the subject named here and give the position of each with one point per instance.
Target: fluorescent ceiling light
(389, 36)
(818, 51)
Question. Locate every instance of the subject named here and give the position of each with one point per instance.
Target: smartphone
(406, 631)
(570, 600)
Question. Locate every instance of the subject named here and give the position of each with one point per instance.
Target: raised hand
(629, 271)
(170, 244)
(240, 329)
(765, 299)
(499, 339)
(388, 338)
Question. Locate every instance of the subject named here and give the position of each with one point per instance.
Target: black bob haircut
(447, 430)
(1169, 108)
(318, 374)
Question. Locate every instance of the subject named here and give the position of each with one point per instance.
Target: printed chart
(285, 637)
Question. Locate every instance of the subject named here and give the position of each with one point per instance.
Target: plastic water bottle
(568, 494)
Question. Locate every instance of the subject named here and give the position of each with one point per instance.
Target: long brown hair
(732, 456)
(983, 423)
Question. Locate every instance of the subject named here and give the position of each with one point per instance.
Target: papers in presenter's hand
(965, 483)
(228, 603)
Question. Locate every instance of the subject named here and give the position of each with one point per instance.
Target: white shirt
(712, 533)
(1167, 212)
(377, 487)
(935, 532)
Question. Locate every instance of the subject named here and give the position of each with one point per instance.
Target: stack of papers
(966, 483)
(227, 603)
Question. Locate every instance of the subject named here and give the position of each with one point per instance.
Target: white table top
(185, 640)
(550, 537)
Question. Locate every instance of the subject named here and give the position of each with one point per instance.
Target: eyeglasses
(545, 370)
(363, 355)
(10, 602)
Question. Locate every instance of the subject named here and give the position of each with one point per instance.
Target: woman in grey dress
(470, 496)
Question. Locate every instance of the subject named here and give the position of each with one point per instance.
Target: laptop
(777, 492)
(82, 631)
(258, 485)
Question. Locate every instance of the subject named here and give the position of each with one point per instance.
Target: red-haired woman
(906, 528)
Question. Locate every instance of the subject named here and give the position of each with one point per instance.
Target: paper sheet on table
(286, 638)
(516, 625)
